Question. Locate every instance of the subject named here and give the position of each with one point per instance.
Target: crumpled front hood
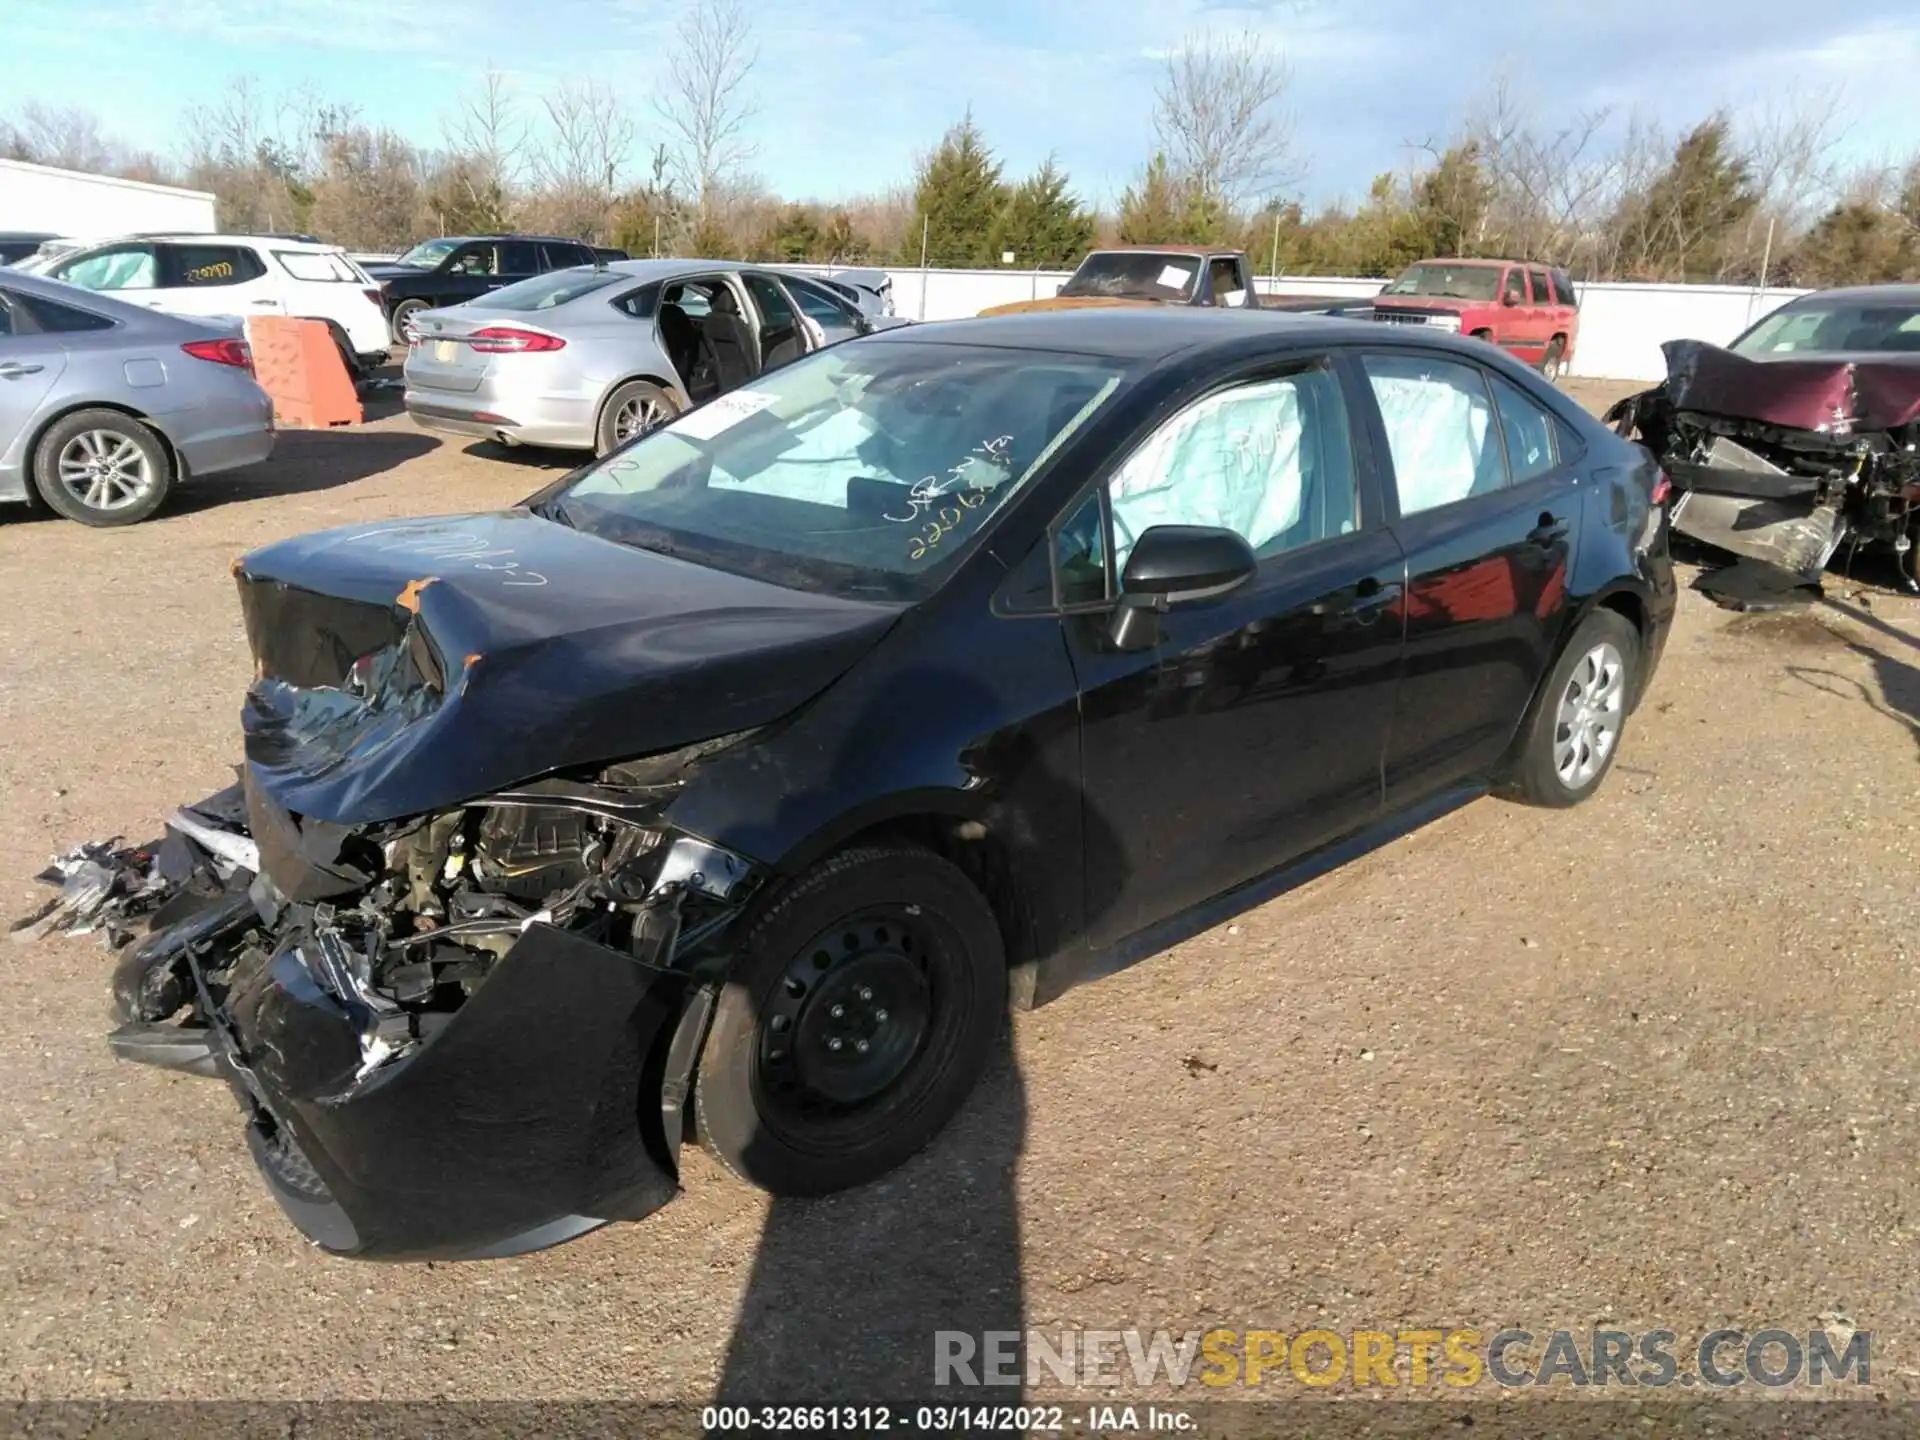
(1837, 394)
(408, 667)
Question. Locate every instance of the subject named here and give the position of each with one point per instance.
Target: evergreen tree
(795, 236)
(1682, 227)
(1152, 212)
(1043, 224)
(956, 199)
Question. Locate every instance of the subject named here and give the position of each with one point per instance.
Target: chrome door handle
(13, 370)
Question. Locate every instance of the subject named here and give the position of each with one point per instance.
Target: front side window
(1080, 554)
(125, 267)
(775, 312)
(1516, 290)
(199, 266)
(859, 470)
(1439, 423)
(474, 260)
(1270, 461)
(1227, 289)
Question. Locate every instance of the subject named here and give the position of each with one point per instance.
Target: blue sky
(850, 92)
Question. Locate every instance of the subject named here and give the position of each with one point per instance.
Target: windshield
(862, 471)
(1451, 282)
(428, 253)
(1134, 276)
(1828, 327)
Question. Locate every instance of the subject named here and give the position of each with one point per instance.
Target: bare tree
(1219, 115)
(486, 139)
(591, 135)
(62, 136)
(1552, 183)
(705, 105)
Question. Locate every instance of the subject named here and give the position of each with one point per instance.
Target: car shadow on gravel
(854, 1297)
(1894, 669)
(303, 462)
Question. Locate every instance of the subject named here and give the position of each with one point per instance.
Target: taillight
(1662, 489)
(221, 352)
(505, 340)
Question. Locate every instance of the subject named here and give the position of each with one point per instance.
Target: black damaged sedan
(736, 784)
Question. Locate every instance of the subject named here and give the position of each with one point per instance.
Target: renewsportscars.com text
(1722, 1358)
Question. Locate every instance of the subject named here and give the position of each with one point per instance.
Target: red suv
(1530, 310)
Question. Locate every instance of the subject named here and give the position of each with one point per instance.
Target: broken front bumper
(523, 1122)
(388, 1124)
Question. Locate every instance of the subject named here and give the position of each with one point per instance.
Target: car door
(1486, 511)
(782, 340)
(30, 364)
(826, 319)
(1253, 727)
(1543, 319)
(1512, 325)
(471, 270)
(1227, 280)
(201, 279)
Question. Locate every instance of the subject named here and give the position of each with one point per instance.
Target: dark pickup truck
(1173, 275)
(453, 268)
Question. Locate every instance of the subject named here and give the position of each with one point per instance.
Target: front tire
(102, 468)
(863, 1007)
(632, 410)
(1574, 733)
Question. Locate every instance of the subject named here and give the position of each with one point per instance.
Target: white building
(38, 198)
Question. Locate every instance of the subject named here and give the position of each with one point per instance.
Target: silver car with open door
(590, 357)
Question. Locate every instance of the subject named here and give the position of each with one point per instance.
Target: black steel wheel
(862, 1010)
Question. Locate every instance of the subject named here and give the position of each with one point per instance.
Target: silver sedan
(105, 407)
(591, 357)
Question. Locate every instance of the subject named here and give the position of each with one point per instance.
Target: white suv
(239, 275)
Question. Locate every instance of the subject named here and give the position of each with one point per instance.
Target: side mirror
(1176, 565)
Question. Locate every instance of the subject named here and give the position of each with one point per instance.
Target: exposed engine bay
(1781, 460)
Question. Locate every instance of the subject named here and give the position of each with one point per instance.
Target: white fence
(1621, 326)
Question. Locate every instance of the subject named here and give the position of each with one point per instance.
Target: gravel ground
(1645, 1063)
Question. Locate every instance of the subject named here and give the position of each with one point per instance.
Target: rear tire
(102, 468)
(889, 949)
(1574, 733)
(1554, 363)
(632, 410)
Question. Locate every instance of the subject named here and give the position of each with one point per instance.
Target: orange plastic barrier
(297, 363)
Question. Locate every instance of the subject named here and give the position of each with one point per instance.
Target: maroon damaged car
(1802, 435)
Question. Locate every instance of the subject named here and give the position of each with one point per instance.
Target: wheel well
(1629, 607)
(979, 855)
(33, 444)
(601, 413)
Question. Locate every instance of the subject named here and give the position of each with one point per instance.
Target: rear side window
(1563, 283)
(125, 267)
(559, 257)
(1528, 430)
(1439, 421)
(198, 266)
(544, 292)
(50, 317)
(1542, 291)
(519, 258)
(318, 265)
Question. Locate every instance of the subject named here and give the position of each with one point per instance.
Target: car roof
(1157, 332)
(1898, 294)
(1197, 250)
(188, 237)
(1481, 262)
